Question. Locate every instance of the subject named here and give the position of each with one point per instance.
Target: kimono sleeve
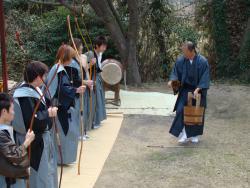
(176, 71)
(67, 90)
(204, 80)
(174, 74)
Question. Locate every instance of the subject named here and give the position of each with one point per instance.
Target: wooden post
(3, 49)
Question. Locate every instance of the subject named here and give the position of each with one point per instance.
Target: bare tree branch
(102, 10)
(116, 15)
(132, 62)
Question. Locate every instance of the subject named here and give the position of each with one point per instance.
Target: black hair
(33, 70)
(5, 102)
(100, 40)
(191, 46)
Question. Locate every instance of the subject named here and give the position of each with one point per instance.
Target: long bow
(82, 95)
(91, 115)
(20, 44)
(90, 75)
(34, 114)
(3, 49)
(59, 146)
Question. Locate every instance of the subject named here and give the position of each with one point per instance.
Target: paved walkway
(149, 103)
(95, 153)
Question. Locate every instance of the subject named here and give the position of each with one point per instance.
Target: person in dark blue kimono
(26, 97)
(98, 97)
(63, 94)
(192, 70)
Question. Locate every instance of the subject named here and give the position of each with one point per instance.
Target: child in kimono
(26, 98)
(11, 154)
(64, 93)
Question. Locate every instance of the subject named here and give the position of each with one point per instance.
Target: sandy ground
(220, 160)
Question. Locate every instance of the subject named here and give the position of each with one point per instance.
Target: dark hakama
(191, 76)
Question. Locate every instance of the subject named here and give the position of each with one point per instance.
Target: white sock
(184, 134)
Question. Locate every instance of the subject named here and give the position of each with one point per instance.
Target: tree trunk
(101, 8)
(133, 75)
(133, 69)
(125, 45)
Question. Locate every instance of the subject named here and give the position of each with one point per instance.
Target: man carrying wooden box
(191, 71)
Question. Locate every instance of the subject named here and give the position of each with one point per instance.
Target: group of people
(58, 107)
(51, 108)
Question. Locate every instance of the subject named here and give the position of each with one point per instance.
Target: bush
(42, 34)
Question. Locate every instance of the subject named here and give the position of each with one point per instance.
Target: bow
(91, 117)
(20, 44)
(33, 118)
(86, 45)
(59, 146)
(3, 49)
(81, 98)
(85, 28)
(37, 106)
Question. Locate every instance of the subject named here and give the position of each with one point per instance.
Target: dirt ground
(221, 159)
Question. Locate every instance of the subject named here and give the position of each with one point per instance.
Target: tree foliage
(43, 29)
(41, 36)
(227, 25)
